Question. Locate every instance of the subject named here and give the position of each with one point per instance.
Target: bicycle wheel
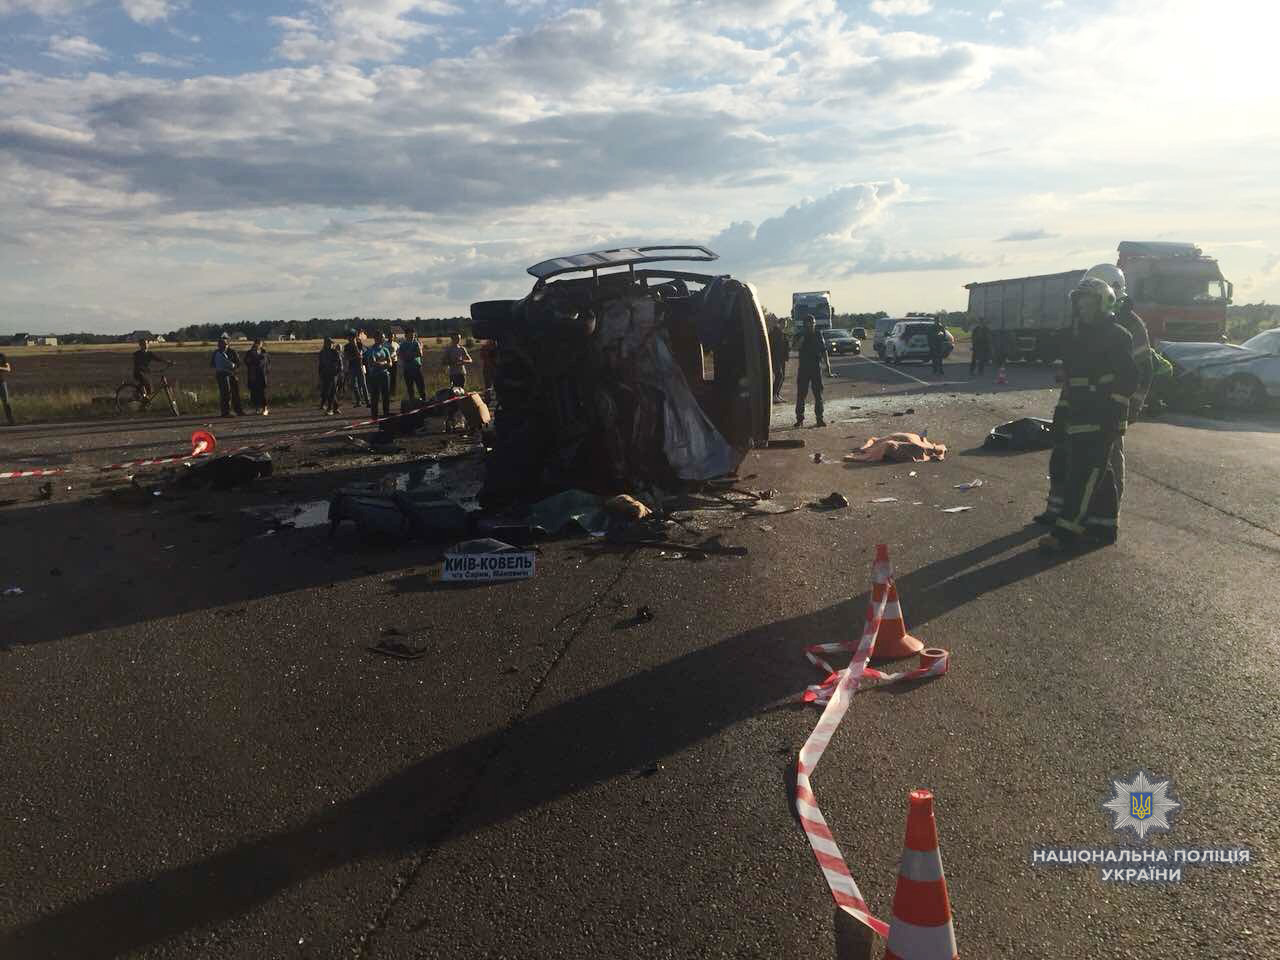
(173, 402)
(128, 398)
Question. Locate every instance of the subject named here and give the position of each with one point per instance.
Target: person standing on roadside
(257, 367)
(1100, 379)
(457, 360)
(809, 376)
(351, 353)
(5, 369)
(937, 343)
(330, 369)
(377, 364)
(980, 341)
(779, 350)
(1143, 358)
(393, 351)
(225, 363)
(411, 365)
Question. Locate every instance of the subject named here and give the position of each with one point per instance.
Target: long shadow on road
(563, 749)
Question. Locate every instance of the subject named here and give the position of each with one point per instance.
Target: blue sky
(163, 162)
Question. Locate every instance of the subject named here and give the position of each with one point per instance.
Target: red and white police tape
(835, 692)
(202, 444)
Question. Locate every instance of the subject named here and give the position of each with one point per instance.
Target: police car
(909, 340)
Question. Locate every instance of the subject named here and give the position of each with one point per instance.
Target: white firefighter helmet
(1109, 274)
(1096, 289)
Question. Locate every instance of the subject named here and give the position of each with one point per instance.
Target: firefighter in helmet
(1100, 379)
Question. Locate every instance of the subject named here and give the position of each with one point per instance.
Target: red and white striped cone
(892, 640)
(920, 928)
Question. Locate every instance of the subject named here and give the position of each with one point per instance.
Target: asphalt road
(202, 759)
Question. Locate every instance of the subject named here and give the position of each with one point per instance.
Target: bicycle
(131, 399)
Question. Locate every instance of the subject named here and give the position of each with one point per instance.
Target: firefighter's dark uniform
(1144, 361)
(809, 375)
(1100, 378)
(778, 350)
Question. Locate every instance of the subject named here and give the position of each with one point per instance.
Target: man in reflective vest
(1100, 378)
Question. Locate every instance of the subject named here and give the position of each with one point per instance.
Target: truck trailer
(1177, 290)
(814, 302)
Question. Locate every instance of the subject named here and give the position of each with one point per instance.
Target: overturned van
(614, 377)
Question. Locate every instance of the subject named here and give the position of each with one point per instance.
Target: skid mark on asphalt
(1212, 506)
(579, 620)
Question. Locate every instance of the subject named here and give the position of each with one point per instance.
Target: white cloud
(901, 8)
(995, 15)
(42, 8)
(74, 49)
(1023, 236)
(147, 11)
(357, 31)
(151, 59)
(820, 229)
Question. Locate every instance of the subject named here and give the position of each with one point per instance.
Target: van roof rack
(621, 257)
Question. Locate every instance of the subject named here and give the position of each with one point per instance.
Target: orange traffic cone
(921, 925)
(892, 640)
(1000, 377)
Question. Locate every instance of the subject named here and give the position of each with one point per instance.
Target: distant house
(41, 341)
(140, 335)
(281, 332)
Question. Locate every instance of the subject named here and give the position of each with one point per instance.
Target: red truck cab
(1178, 291)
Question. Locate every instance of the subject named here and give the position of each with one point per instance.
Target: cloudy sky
(172, 161)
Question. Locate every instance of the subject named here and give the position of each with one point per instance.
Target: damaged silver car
(1244, 377)
(612, 376)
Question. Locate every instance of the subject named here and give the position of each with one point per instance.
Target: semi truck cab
(1178, 291)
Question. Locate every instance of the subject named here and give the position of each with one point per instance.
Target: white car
(1243, 377)
(909, 340)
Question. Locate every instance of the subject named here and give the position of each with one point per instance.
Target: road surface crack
(1212, 506)
(408, 875)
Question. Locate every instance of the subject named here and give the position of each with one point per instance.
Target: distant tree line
(318, 327)
(1246, 319)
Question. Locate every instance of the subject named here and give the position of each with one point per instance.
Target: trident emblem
(1140, 805)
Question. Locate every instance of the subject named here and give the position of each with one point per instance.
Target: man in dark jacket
(779, 350)
(937, 344)
(330, 369)
(1100, 378)
(353, 357)
(811, 350)
(980, 341)
(257, 367)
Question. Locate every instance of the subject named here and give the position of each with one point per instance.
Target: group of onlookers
(369, 365)
(372, 366)
(226, 363)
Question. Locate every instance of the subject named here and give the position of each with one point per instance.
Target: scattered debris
(968, 486)
(225, 472)
(45, 491)
(787, 444)
(643, 614)
(766, 527)
(885, 500)
(670, 555)
(13, 591)
(300, 516)
(834, 501)
(586, 510)
(910, 410)
(898, 447)
(914, 473)
(956, 509)
(819, 458)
